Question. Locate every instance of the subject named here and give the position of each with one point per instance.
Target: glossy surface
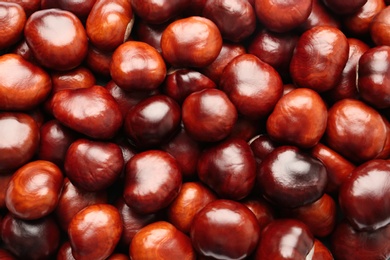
(208, 115)
(91, 111)
(344, 7)
(53, 50)
(320, 15)
(161, 240)
(228, 168)
(150, 33)
(23, 85)
(261, 146)
(80, 77)
(29, 6)
(98, 61)
(152, 181)
(100, 223)
(262, 210)
(319, 58)
(109, 24)
(225, 229)
(379, 28)
(246, 80)
(290, 178)
(363, 196)
(12, 20)
(152, 121)
(137, 66)
(38, 239)
(4, 180)
(93, 165)
(80, 8)
(19, 139)
(191, 42)
(65, 252)
(299, 118)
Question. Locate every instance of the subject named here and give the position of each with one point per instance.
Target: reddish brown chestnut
(65, 252)
(150, 33)
(344, 7)
(93, 165)
(19, 140)
(153, 180)
(80, 77)
(100, 223)
(12, 20)
(80, 8)
(261, 209)
(320, 16)
(261, 146)
(290, 178)
(164, 241)
(225, 229)
(299, 118)
(34, 190)
(191, 42)
(98, 61)
(58, 51)
(208, 115)
(252, 85)
(379, 27)
(4, 181)
(228, 168)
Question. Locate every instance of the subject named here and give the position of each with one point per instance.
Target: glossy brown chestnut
(93, 165)
(253, 86)
(137, 66)
(192, 198)
(164, 242)
(100, 223)
(290, 178)
(261, 209)
(58, 51)
(80, 77)
(19, 140)
(285, 239)
(118, 256)
(245, 128)
(180, 83)
(344, 7)
(356, 131)
(225, 229)
(363, 196)
(152, 181)
(236, 20)
(80, 8)
(379, 27)
(261, 146)
(74, 199)
(34, 239)
(109, 24)
(349, 244)
(29, 6)
(321, 251)
(374, 79)
(6, 255)
(282, 16)
(65, 252)
(228, 168)
(319, 58)
(208, 115)
(23, 85)
(299, 118)
(159, 11)
(319, 16)
(34, 190)
(153, 121)
(98, 61)
(4, 180)
(12, 20)
(91, 111)
(150, 33)
(191, 42)
(22, 49)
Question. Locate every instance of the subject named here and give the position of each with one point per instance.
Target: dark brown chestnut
(4, 181)
(261, 146)
(344, 7)
(263, 211)
(12, 21)
(65, 252)
(98, 61)
(320, 16)
(379, 27)
(80, 8)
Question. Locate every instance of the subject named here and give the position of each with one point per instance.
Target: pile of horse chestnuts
(195, 129)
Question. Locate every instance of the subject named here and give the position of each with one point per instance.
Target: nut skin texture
(65, 252)
(253, 86)
(191, 42)
(80, 77)
(80, 8)
(23, 85)
(319, 58)
(356, 131)
(30, 240)
(344, 7)
(98, 61)
(74, 199)
(93, 165)
(225, 229)
(152, 181)
(192, 198)
(4, 180)
(161, 240)
(29, 6)
(152, 122)
(282, 16)
(261, 146)
(379, 28)
(285, 239)
(290, 178)
(374, 79)
(363, 196)
(52, 50)
(19, 140)
(228, 168)
(349, 244)
(137, 66)
(319, 16)
(236, 19)
(90, 111)
(100, 223)
(299, 118)
(150, 33)
(208, 115)
(109, 24)
(12, 20)
(261, 209)
(34, 190)
(320, 251)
